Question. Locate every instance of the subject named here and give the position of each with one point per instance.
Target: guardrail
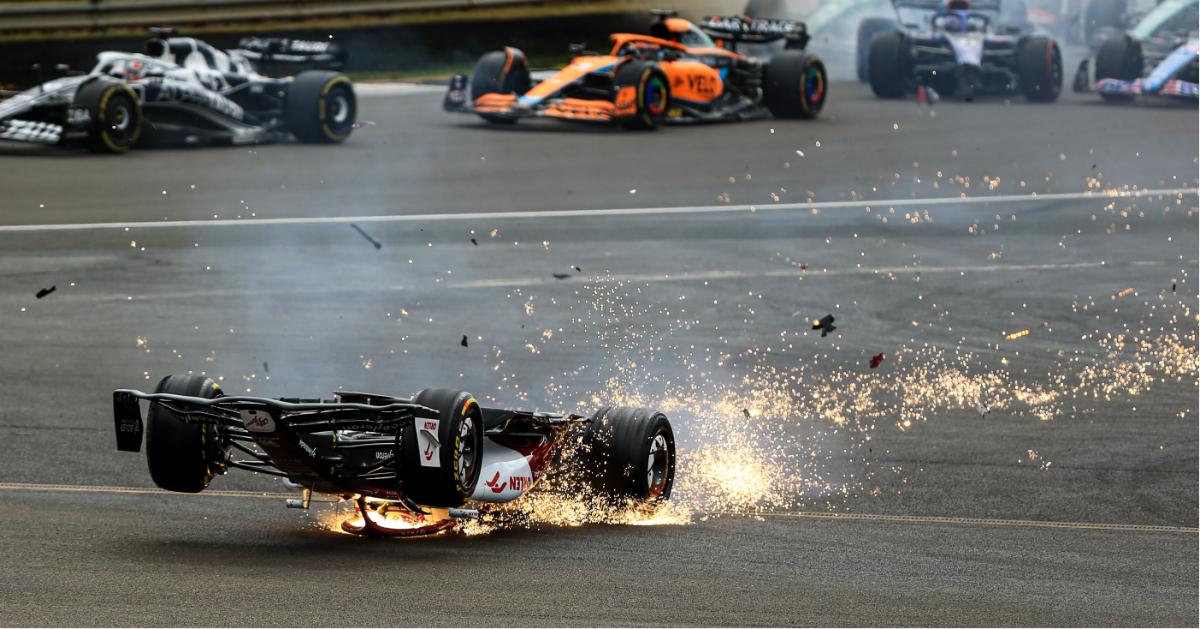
(91, 15)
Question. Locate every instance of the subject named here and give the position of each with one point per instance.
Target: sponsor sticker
(429, 450)
(258, 421)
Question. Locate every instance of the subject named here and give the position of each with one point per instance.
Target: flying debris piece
(824, 324)
(982, 409)
(746, 412)
(1172, 287)
(46, 291)
(464, 341)
(876, 360)
(927, 95)
(367, 236)
(475, 242)
(1016, 335)
(561, 276)
(577, 269)
(803, 266)
(266, 367)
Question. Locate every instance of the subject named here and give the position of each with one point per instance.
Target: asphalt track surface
(1088, 518)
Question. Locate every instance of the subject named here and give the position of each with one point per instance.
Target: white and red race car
(412, 466)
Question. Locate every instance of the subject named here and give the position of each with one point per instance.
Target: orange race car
(678, 73)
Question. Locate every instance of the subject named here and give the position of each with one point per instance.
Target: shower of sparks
(1012, 336)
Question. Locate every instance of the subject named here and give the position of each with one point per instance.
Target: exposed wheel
(1039, 69)
(500, 72)
(115, 115)
(642, 96)
(889, 65)
(320, 107)
(795, 85)
(630, 454)
(443, 473)
(1102, 15)
(1119, 57)
(867, 30)
(182, 456)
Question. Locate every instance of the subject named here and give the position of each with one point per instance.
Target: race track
(1024, 454)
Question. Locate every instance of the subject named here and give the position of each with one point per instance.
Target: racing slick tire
(182, 456)
(320, 107)
(115, 115)
(642, 95)
(867, 30)
(1039, 69)
(1119, 57)
(458, 452)
(630, 454)
(500, 72)
(795, 85)
(888, 65)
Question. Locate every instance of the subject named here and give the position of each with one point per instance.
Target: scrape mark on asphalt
(107, 489)
(792, 273)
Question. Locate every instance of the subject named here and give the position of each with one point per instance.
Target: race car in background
(1159, 56)
(181, 90)
(959, 51)
(411, 466)
(842, 30)
(679, 73)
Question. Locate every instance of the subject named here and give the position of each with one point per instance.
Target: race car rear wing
(739, 28)
(328, 55)
(246, 414)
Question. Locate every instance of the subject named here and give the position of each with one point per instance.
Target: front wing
(1174, 87)
(511, 107)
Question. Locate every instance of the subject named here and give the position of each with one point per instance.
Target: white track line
(396, 89)
(924, 519)
(645, 211)
(814, 515)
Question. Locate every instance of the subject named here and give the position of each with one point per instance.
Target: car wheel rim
(121, 118)
(340, 109)
(466, 454)
(655, 96)
(814, 87)
(658, 465)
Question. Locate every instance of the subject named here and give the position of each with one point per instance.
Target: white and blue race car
(181, 90)
(966, 51)
(1159, 56)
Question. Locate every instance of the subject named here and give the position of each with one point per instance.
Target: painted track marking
(923, 519)
(814, 515)
(648, 211)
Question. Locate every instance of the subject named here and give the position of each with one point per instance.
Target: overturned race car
(679, 73)
(183, 91)
(414, 466)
